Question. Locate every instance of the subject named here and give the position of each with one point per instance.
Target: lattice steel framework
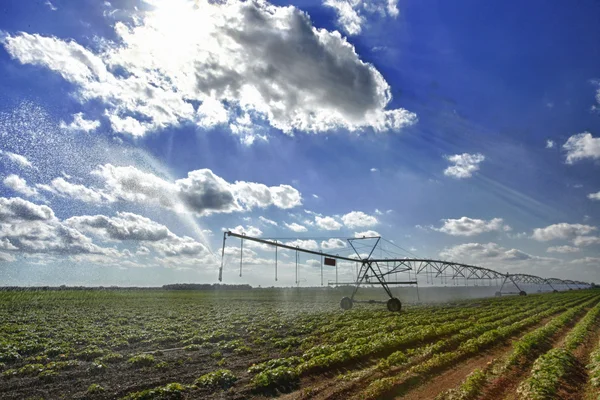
(378, 271)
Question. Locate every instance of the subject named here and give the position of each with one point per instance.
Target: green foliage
(468, 390)
(95, 388)
(548, 369)
(111, 358)
(172, 391)
(222, 378)
(141, 360)
(281, 376)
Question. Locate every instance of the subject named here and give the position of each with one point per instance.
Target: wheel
(522, 293)
(555, 291)
(498, 294)
(394, 305)
(346, 303)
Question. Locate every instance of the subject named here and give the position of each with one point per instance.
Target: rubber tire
(346, 303)
(394, 305)
(498, 294)
(522, 293)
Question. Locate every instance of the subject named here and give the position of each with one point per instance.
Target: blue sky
(133, 133)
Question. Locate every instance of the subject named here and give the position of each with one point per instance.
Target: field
(295, 344)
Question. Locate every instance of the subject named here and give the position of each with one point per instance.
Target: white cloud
(249, 230)
(550, 144)
(202, 192)
(374, 170)
(358, 219)
(378, 212)
(466, 226)
(582, 146)
(594, 196)
(353, 14)
(18, 159)
(315, 196)
(61, 187)
(31, 228)
(79, 123)
(51, 6)
(561, 231)
(295, 227)
(305, 244)
(233, 58)
(562, 249)
(19, 185)
(483, 253)
(267, 221)
(327, 223)
(586, 240)
(332, 244)
(464, 165)
(366, 234)
(127, 226)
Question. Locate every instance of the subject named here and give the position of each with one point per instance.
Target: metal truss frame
(377, 271)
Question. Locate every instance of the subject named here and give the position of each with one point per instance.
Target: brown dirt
(583, 390)
(505, 386)
(448, 380)
(331, 387)
(120, 379)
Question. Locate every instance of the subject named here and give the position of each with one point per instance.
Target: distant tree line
(205, 286)
(175, 286)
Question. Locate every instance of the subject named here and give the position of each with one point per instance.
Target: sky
(134, 133)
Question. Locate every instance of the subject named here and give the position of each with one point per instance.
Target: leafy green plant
(141, 360)
(95, 388)
(172, 391)
(222, 378)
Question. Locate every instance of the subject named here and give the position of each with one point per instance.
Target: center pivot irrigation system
(384, 271)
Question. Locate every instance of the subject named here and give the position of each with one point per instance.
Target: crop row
(551, 368)
(439, 361)
(330, 356)
(528, 346)
(410, 356)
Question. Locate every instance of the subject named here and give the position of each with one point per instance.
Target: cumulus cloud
(464, 165)
(550, 144)
(562, 249)
(201, 192)
(594, 196)
(483, 252)
(32, 228)
(332, 244)
(353, 14)
(582, 146)
(305, 244)
(267, 221)
(248, 230)
(466, 226)
(295, 227)
(5, 257)
(586, 240)
(358, 219)
(327, 223)
(232, 58)
(127, 226)
(20, 185)
(61, 187)
(80, 124)
(18, 159)
(561, 231)
(366, 234)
